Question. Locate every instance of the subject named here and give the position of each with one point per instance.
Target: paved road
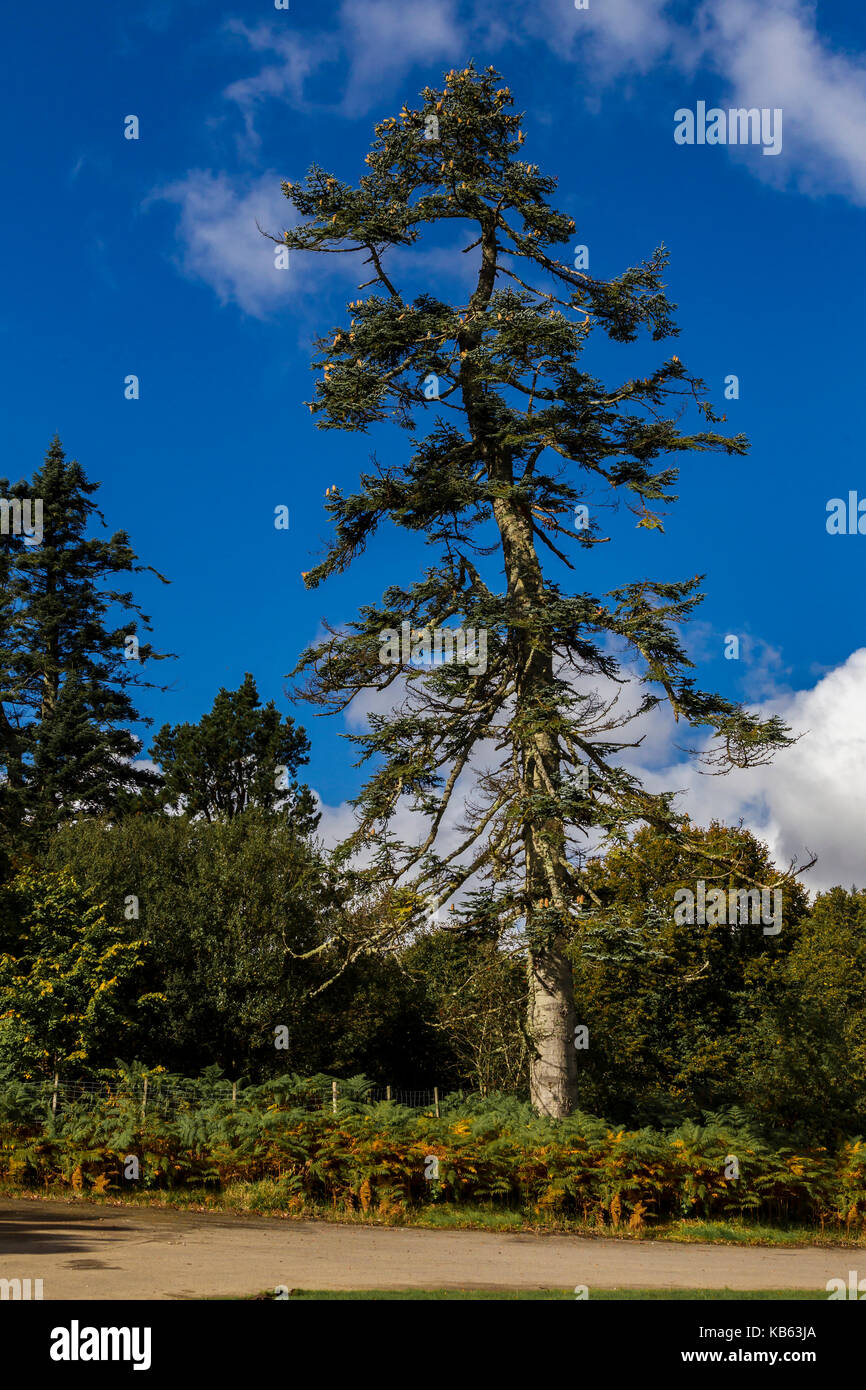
(90, 1251)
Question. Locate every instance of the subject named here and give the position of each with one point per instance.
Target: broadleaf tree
(68, 975)
(507, 428)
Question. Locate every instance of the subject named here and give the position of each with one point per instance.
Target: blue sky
(143, 257)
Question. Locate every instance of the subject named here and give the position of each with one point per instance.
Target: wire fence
(171, 1095)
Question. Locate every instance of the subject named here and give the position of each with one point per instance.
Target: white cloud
(297, 59)
(811, 799)
(337, 822)
(221, 244)
(379, 40)
(608, 39)
(763, 52)
(386, 39)
(772, 55)
(407, 825)
(767, 53)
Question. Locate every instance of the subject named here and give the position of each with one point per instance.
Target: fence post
(387, 1092)
(234, 1093)
(334, 1096)
(54, 1094)
(436, 1100)
(144, 1101)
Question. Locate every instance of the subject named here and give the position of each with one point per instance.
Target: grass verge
(268, 1199)
(553, 1295)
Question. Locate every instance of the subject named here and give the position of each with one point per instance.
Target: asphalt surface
(83, 1250)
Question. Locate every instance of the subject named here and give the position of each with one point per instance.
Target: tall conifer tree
(517, 429)
(66, 659)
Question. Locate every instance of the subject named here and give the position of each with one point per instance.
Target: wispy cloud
(765, 53)
(376, 41)
(386, 41)
(606, 39)
(220, 243)
(294, 60)
(771, 54)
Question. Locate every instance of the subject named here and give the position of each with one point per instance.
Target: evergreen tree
(65, 668)
(519, 429)
(239, 755)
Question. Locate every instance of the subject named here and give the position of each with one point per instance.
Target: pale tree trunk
(553, 1063)
(550, 1009)
(550, 1014)
(553, 1068)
